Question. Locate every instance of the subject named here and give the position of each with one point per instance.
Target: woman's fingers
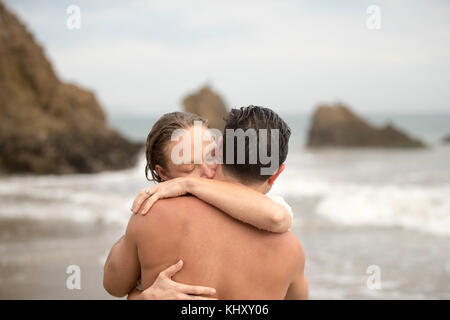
(165, 288)
(183, 296)
(148, 204)
(196, 290)
(172, 270)
(184, 288)
(141, 197)
(202, 298)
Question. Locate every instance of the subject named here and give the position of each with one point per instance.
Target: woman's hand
(164, 288)
(167, 189)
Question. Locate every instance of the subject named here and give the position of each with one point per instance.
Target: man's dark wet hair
(257, 118)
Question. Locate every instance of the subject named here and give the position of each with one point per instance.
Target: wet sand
(414, 265)
(35, 256)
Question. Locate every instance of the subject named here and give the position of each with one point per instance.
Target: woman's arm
(238, 201)
(122, 268)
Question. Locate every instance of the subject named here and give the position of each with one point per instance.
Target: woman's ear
(161, 172)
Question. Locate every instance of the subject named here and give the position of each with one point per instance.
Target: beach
(35, 257)
(362, 87)
(352, 209)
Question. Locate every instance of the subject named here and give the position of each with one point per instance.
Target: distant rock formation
(446, 139)
(208, 104)
(337, 126)
(48, 127)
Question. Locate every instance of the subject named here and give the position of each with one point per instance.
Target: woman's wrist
(189, 184)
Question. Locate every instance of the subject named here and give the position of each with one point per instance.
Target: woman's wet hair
(160, 136)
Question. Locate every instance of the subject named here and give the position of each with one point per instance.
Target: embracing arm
(122, 268)
(242, 203)
(238, 201)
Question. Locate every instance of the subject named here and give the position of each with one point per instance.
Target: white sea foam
(105, 197)
(400, 201)
(425, 208)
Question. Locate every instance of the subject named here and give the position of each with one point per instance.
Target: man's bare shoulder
(178, 207)
(185, 201)
(171, 219)
(172, 211)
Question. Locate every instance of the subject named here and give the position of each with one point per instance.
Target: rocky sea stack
(338, 126)
(446, 139)
(207, 104)
(48, 127)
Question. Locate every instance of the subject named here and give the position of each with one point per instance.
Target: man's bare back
(218, 251)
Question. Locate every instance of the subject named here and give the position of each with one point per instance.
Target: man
(240, 261)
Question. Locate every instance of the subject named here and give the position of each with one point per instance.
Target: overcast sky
(144, 56)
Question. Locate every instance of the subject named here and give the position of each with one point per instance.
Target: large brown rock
(337, 126)
(446, 139)
(207, 104)
(47, 126)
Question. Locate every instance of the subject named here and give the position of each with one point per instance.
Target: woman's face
(191, 155)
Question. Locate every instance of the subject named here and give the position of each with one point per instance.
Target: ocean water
(386, 187)
(353, 208)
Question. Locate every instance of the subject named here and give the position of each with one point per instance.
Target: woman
(195, 178)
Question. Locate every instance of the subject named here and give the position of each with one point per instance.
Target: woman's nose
(208, 171)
